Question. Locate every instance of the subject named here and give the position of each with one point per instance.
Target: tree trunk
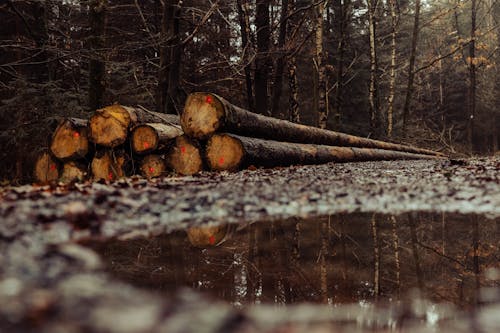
(97, 43)
(244, 19)
(262, 58)
(411, 67)
(341, 9)
(170, 58)
(149, 137)
(205, 114)
(109, 165)
(472, 78)
(184, 156)
(232, 152)
(152, 166)
(293, 84)
(47, 169)
(320, 67)
(109, 126)
(392, 82)
(373, 92)
(70, 140)
(280, 63)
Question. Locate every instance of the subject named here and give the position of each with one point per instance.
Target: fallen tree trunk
(109, 165)
(231, 152)
(70, 139)
(205, 114)
(73, 171)
(149, 137)
(184, 156)
(47, 169)
(153, 166)
(109, 126)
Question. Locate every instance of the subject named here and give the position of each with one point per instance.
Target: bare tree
(319, 65)
(373, 91)
(472, 76)
(392, 82)
(244, 20)
(97, 65)
(280, 62)
(262, 59)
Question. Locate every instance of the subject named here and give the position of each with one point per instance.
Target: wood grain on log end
(70, 139)
(185, 156)
(109, 126)
(202, 115)
(153, 166)
(148, 137)
(47, 169)
(224, 152)
(207, 235)
(73, 171)
(106, 165)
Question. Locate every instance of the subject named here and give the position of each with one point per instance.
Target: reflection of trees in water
(334, 259)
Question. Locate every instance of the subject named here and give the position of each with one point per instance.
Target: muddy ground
(49, 283)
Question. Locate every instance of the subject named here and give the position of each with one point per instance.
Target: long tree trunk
(293, 84)
(97, 43)
(262, 58)
(319, 64)
(341, 12)
(411, 67)
(244, 19)
(373, 90)
(205, 114)
(170, 58)
(232, 152)
(472, 77)
(280, 62)
(392, 82)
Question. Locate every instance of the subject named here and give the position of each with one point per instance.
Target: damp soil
(376, 246)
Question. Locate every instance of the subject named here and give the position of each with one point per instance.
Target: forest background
(422, 72)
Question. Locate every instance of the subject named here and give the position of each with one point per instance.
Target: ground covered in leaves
(49, 283)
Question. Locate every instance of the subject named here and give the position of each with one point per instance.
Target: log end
(109, 126)
(152, 166)
(73, 171)
(46, 169)
(107, 167)
(202, 115)
(185, 156)
(206, 236)
(144, 139)
(70, 141)
(224, 152)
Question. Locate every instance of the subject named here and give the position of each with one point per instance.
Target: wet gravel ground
(49, 283)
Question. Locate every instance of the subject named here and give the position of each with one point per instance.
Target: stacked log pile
(119, 141)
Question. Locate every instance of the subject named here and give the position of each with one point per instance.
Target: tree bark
(243, 16)
(472, 78)
(373, 90)
(47, 169)
(293, 84)
(109, 126)
(205, 114)
(109, 165)
(231, 152)
(411, 67)
(262, 58)
(70, 140)
(149, 137)
(392, 82)
(341, 9)
(97, 43)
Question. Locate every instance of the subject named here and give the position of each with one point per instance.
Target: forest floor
(50, 283)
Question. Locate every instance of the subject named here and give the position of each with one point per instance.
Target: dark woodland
(419, 72)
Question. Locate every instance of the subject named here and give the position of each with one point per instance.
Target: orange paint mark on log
(76, 134)
(221, 161)
(110, 176)
(211, 240)
(151, 169)
(209, 99)
(52, 167)
(145, 145)
(183, 150)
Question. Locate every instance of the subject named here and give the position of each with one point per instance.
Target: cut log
(73, 171)
(205, 114)
(149, 137)
(47, 169)
(153, 166)
(231, 152)
(109, 126)
(109, 165)
(70, 139)
(184, 156)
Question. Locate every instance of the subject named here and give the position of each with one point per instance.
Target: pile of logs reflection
(210, 134)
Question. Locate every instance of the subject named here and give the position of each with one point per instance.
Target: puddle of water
(338, 259)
